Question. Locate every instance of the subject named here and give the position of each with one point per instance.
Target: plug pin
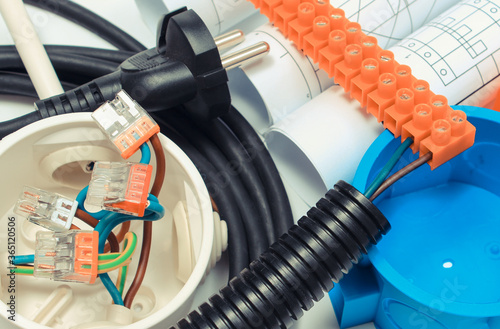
(245, 56)
(229, 39)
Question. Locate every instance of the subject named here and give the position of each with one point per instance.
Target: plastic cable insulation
(122, 278)
(23, 259)
(148, 226)
(260, 156)
(17, 83)
(401, 173)
(90, 21)
(145, 154)
(257, 238)
(128, 251)
(63, 62)
(242, 166)
(384, 172)
(295, 272)
(220, 193)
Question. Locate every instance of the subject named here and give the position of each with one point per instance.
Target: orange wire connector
(120, 187)
(62, 256)
(126, 123)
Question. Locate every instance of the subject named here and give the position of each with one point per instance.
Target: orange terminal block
(337, 18)
(318, 39)
(349, 67)
(345, 33)
(401, 112)
(322, 7)
(370, 47)
(383, 97)
(387, 62)
(420, 127)
(353, 33)
(422, 92)
(267, 7)
(87, 253)
(404, 77)
(440, 107)
(366, 82)
(449, 137)
(334, 53)
(302, 25)
(284, 14)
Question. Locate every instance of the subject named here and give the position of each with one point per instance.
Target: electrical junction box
(439, 266)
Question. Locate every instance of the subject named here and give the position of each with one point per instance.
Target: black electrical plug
(184, 68)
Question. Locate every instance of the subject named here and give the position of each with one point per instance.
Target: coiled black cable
(63, 62)
(296, 271)
(256, 234)
(90, 21)
(243, 167)
(220, 192)
(270, 177)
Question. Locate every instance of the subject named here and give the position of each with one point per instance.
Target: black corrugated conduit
(294, 272)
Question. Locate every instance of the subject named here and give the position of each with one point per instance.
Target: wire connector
(66, 256)
(120, 187)
(343, 55)
(125, 123)
(50, 210)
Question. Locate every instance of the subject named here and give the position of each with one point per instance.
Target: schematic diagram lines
(219, 22)
(391, 20)
(450, 41)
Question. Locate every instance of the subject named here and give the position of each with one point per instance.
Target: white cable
(31, 50)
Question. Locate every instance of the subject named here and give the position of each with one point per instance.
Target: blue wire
(80, 198)
(145, 154)
(154, 212)
(110, 286)
(109, 220)
(23, 259)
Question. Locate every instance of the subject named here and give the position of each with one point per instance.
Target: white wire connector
(67, 256)
(125, 123)
(50, 210)
(120, 187)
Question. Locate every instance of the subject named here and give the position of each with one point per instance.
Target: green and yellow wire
(23, 270)
(113, 261)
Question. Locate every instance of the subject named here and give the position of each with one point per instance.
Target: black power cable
(63, 62)
(243, 167)
(90, 21)
(221, 193)
(296, 271)
(269, 175)
(256, 235)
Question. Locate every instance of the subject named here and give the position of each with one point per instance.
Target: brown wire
(148, 225)
(214, 205)
(113, 245)
(400, 174)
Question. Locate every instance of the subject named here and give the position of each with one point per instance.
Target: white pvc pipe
(31, 50)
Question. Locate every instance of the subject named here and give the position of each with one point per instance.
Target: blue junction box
(439, 266)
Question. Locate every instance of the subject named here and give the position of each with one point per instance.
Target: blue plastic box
(439, 266)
